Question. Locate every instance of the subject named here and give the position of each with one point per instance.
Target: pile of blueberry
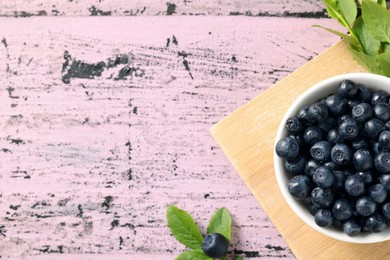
(338, 153)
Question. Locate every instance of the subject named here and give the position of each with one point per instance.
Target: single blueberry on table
(386, 210)
(382, 111)
(342, 209)
(339, 180)
(318, 112)
(384, 140)
(373, 128)
(296, 165)
(336, 104)
(311, 167)
(363, 93)
(215, 245)
(385, 180)
(300, 187)
(347, 89)
(341, 154)
(323, 218)
(354, 185)
(294, 125)
(351, 227)
(377, 193)
(375, 223)
(322, 198)
(365, 206)
(287, 148)
(334, 137)
(348, 129)
(321, 151)
(323, 177)
(312, 135)
(362, 160)
(362, 112)
(382, 162)
(379, 96)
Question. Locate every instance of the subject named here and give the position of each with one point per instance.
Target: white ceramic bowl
(321, 90)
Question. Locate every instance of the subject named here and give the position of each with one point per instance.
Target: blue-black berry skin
(312, 135)
(386, 210)
(373, 128)
(384, 140)
(215, 245)
(382, 162)
(342, 209)
(348, 129)
(311, 167)
(387, 125)
(362, 112)
(379, 97)
(303, 114)
(323, 218)
(336, 105)
(382, 111)
(300, 187)
(363, 93)
(334, 137)
(377, 193)
(331, 165)
(339, 180)
(323, 177)
(312, 208)
(347, 89)
(294, 125)
(351, 227)
(321, 151)
(322, 198)
(385, 180)
(365, 206)
(366, 176)
(287, 148)
(354, 185)
(296, 165)
(318, 112)
(341, 154)
(362, 160)
(360, 143)
(375, 223)
(327, 124)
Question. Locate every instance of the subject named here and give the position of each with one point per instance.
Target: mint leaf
(370, 44)
(183, 227)
(382, 3)
(347, 37)
(193, 255)
(348, 9)
(384, 63)
(368, 62)
(385, 47)
(220, 223)
(377, 20)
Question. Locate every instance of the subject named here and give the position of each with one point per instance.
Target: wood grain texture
(249, 134)
(298, 8)
(104, 122)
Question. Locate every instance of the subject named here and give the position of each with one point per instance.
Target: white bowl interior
(321, 90)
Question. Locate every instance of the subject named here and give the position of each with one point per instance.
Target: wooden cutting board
(247, 138)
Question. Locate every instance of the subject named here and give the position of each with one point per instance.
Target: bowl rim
(279, 162)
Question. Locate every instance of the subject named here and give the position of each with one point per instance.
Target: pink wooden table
(104, 120)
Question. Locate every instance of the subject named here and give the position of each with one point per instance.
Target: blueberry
(312, 135)
(341, 154)
(348, 129)
(360, 143)
(327, 124)
(323, 218)
(323, 177)
(384, 140)
(303, 114)
(352, 103)
(385, 180)
(375, 223)
(379, 97)
(300, 187)
(287, 147)
(374, 127)
(296, 165)
(342, 209)
(387, 125)
(382, 162)
(299, 139)
(354, 185)
(318, 112)
(362, 160)
(322, 198)
(215, 245)
(377, 193)
(363, 94)
(311, 167)
(366, 176)
(347, 89)
(336, 104)
(382, 111)
(294, 125)
(376, 148)
(351, 227)
(343, 118)
(365, 206)
(339, 180)
(386, 210)
(321, 151)
(334, 137)
(312, 208)
(362, 112)
(331, 165)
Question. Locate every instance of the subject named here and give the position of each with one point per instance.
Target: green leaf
(385, 47)
(382, 3)
(348, 9)
(193, 255)
(368, 62)
(183, 227)
(237, 258)
(347, 37)
(220, 223)
(377, 20)
(370, 44)
(384, 63)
